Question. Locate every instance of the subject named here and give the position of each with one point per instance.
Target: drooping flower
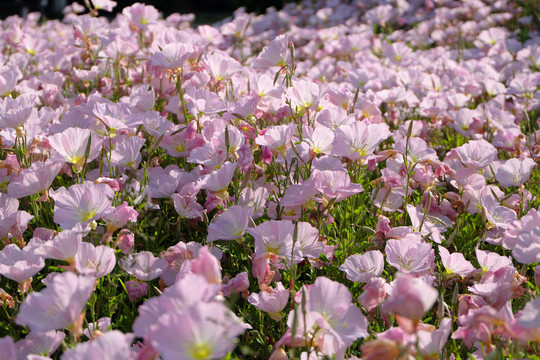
(36, 179)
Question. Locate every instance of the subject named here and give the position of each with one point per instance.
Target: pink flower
(374, 293)
(207, 265)
(136, 289)
(359, 140)
(110, 346)
(71, 145)
(172, 56)
(81, 204)
(120, 216)
(271, 300)
(274, 54)
(455, 263)
(431, 343)
(143, 265)
(63, 246)
(277, 138)
(514, 172)
(477, 153)
(141, 15)
(275, 237)
(362, 267)
(218, 181)
(305, 94)
(9, 351)
(40, 343)
(97, 261)
(125, 240)
(335, 184)
(530, 316)
(36, 179)
(231, 224)
(237, 284)
(221, 66)
(127, 151)
(19, 265)
(410, 297)
(410, 255)
(203, 331)
(59, 305)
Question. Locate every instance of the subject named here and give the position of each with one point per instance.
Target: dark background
(167, 7)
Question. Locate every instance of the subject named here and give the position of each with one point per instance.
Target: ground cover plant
(332, 180)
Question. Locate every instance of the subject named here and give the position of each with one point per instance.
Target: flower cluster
(335, 179)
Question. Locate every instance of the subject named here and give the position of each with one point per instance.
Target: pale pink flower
(125, 240)
(172, 56)
(110, 346)
(305, 94)
(319, 140)
(63, 246)
(71, 145)
(359, 140)
(431, 343)
(331, 304)
(410, 254)
(141, 15)
(335, 185)
(9, 351)
(274, 54)
(105, 5)
(490, 261)
(237, 284)
(59, 305)
(514, 172)
(218, 181)
(36, 179)
(455, 263)
(231, 224)
(277, 138)
(95, 329)
(207, 265)
(143, 265)
(256, 199)
(374, 293)
(19, 265)
(271, 301)
(97, 261)
(39, 343)
(410, 297)
(81, 204)
(203, 331)
(362, 267)
(221, 66)
(530, 316)
(477, 153)
(275, 237)
(127, 151)
(120, 216)
(190, 290)
(136, 289)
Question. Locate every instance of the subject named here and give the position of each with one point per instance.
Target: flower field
(333, 180)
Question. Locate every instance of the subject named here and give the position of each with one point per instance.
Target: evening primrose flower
(231, 224)
(59, 305)
(81, 204)
(71, 145)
